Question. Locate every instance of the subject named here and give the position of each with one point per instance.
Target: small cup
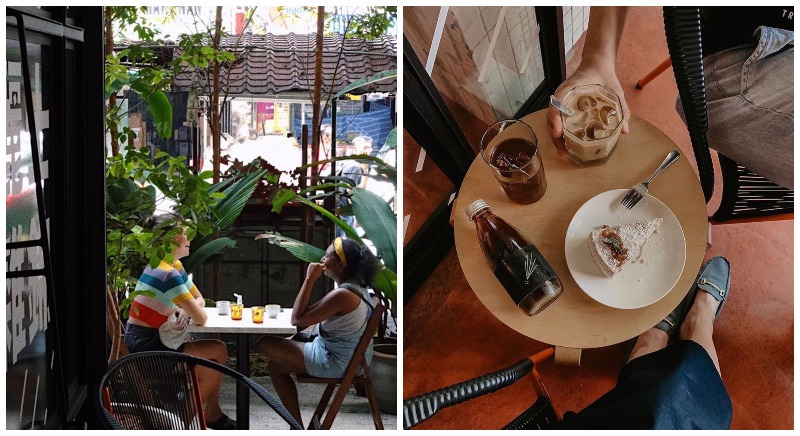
(236, 311)
(592, 132)
(511, 149)
(223, 307)
(273, 310)
(258, 314)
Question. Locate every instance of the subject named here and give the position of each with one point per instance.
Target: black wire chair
(539, 416)
(158, 390)
(746, 196)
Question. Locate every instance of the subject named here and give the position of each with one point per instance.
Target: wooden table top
(224, 324)
(575, 320)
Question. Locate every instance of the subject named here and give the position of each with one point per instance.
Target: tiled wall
(576, 20)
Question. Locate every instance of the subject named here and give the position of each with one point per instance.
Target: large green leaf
(229, 208)
(126, 197)
(386, 282)
(359, 83)
(201, 255)
(391, 140)
(349, 231)
(377, 164)
(385, 279)
(159, 105)
(298, 249)
(379, 223)
(236, 197)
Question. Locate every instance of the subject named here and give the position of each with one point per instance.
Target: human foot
(714, 281)
(223, 422)
(651, 340)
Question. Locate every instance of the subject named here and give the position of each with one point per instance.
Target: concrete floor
(354, 414)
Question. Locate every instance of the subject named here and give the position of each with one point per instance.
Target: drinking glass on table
(511, 149)
(592, 131)
(258, 314)
(236, 311)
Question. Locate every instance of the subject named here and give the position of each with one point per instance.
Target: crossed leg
(698, 327)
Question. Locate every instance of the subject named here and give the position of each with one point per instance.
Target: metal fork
(640, 189)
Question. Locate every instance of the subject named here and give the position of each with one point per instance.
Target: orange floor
(450, 337)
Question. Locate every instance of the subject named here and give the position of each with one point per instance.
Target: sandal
(715, 279)
(222, 423)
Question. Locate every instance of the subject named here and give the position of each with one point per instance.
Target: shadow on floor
(354, 414)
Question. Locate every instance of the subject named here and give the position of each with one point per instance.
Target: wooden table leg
(568, 356)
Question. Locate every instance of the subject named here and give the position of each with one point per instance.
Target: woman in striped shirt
(174, 295)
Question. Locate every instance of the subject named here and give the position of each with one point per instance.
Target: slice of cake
(611, 247)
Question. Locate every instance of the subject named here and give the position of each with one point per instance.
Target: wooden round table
(575, 320)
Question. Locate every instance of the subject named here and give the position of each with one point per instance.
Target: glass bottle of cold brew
(515, 261)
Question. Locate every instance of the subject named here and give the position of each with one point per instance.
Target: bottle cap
(475, 207)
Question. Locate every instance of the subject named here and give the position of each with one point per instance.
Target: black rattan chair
(157, 390)
(746, 196)
(539, 416)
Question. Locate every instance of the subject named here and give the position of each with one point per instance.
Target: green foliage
(207, 252)
(374, 216)
(201, 209)
(391, 140)
(131, 179)
(196, 52)
(301, 250)
(136, 68)
(385, 172)
(375, 22)
(371, 24)
(379, 222)
(229, 203)
(371, 79)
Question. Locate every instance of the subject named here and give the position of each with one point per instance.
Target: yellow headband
(337, 246)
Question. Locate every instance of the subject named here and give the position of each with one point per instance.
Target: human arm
(194, 310)
(336, 302)
(603, 36)
(192, 307)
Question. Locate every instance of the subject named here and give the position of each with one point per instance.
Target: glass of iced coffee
(511, 149)
(592, 131)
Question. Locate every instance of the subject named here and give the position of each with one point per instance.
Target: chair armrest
(422, 407)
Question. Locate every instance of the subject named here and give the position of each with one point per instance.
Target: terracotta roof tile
(273, 64)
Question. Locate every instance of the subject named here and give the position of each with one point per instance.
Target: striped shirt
(171, 286)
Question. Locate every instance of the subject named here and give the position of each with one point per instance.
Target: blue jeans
(750, 92)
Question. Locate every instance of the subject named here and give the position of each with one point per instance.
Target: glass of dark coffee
(511, 149)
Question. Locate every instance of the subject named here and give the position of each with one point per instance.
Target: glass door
(465, 68)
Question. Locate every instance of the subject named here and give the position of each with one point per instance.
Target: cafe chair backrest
(539, 416)
(324, 421)
(158, 390)
(746, 196)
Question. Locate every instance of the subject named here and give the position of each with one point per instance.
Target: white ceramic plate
(639, 283)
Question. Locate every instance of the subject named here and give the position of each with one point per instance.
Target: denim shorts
(139, 338)
(750, 92)
(325, 363)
